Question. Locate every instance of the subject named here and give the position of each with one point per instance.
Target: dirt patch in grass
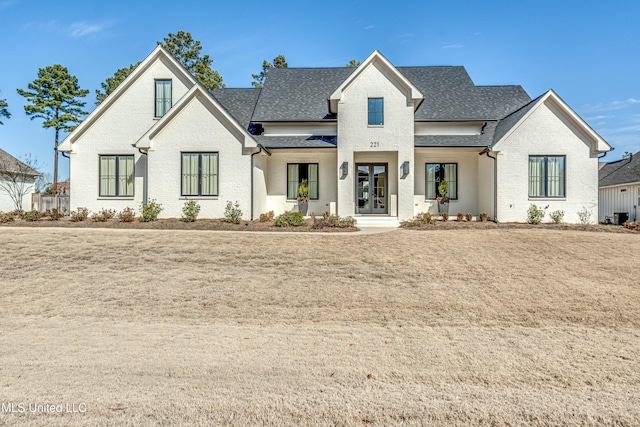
(489, 327)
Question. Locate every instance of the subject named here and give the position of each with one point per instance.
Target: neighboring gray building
(620, 189)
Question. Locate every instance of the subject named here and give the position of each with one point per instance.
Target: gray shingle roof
(483, 140)
(508, 122)
(298, 94)
(8, 163)
(297, 141)
(240, 103)
(623, 171)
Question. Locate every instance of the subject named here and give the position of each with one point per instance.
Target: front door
(371, 189)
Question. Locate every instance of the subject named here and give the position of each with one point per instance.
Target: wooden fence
(44, 202)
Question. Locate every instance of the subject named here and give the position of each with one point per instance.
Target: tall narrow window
(163, 97)
(199, 174)
(435, 173)
(116, 176)
(376, 111)
(296, 172)
(546, 176)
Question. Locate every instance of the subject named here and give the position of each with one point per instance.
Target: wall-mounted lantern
(344, 169)
(405, 168)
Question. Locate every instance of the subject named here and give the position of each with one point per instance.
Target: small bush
(483, 216)
(150, 211)
(32, 216)
(460, 217)
(108, 213)
(556, 216)
(267, 217)
(419, 220)
(469, 216)
(445, 217)
(79, 214)
(635, 226)
(53, 214)
(535, 214)
(127, 215)
(190, 211)
(334, 221)
(6, 217)
(585, 216)
(290, 219)
(98, 217)
(232, 212)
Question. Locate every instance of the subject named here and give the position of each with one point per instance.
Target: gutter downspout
(495, 182)
(605, 153)
(146, 175)
(261, 148)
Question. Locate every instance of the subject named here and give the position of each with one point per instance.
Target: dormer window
(163, 97)
(376, 111)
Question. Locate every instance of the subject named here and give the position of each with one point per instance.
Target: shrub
(127, 215)
(585, 215)
(535, 214)
(232, 212)
(469, 216)
(79, 214)
(427, 218)
(150, 211)
(635, 226)
(483, 216)
(419, 220)
(32, 215)
(190, 211)
(445, 217)
(54, 214)
(556, 216)
(290, 219)
(334, 221)
(266, 217)
(6, 217)
(459, 217)
(98, 217)
(108, 213)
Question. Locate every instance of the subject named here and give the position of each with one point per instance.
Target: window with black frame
(435, 173)
(296, 172)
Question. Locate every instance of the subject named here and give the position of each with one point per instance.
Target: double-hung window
(116, 176)
(546, 176)
(435, 173)
(296, 172)
(199, 174)
(376, 111)
(163, 97)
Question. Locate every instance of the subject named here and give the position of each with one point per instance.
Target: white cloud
(369, 27)
(81, 29)
(453, 46)
(610, 106)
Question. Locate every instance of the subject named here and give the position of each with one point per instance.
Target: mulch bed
(173, 224)
(456, 225)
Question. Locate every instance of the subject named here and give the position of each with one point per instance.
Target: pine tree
(112, 83)
(278, 62)
(54, 96)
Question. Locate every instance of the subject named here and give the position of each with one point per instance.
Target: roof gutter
(486, 151)
(261, 148)
(605, 153)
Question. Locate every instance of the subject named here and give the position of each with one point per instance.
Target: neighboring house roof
(10, 164)
(625, 171)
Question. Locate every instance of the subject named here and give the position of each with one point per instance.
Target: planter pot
(443, 206)
(303, 207)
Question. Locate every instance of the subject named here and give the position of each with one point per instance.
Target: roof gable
(145, 141)
(159, 53)
(12, 165)
(510, 123)
(376, 59)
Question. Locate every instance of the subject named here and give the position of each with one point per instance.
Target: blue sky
(587, 51)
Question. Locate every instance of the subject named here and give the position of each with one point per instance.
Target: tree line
(56, 97)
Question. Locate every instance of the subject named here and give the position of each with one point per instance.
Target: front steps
(377, 221)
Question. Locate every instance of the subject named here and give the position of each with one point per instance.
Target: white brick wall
(546, 132)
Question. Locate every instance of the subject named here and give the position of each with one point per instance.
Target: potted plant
(303, 197)
(443, 200)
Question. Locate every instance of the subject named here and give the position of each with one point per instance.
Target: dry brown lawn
(446, 327)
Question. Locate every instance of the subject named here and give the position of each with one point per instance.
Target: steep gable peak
(376, 59)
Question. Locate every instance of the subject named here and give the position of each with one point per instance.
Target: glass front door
(371, 189)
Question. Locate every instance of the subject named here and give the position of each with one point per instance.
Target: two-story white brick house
(373, 142)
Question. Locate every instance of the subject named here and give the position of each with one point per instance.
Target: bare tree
(17, 177)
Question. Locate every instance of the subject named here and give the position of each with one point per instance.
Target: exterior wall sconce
(405, 168)
(344, 169)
